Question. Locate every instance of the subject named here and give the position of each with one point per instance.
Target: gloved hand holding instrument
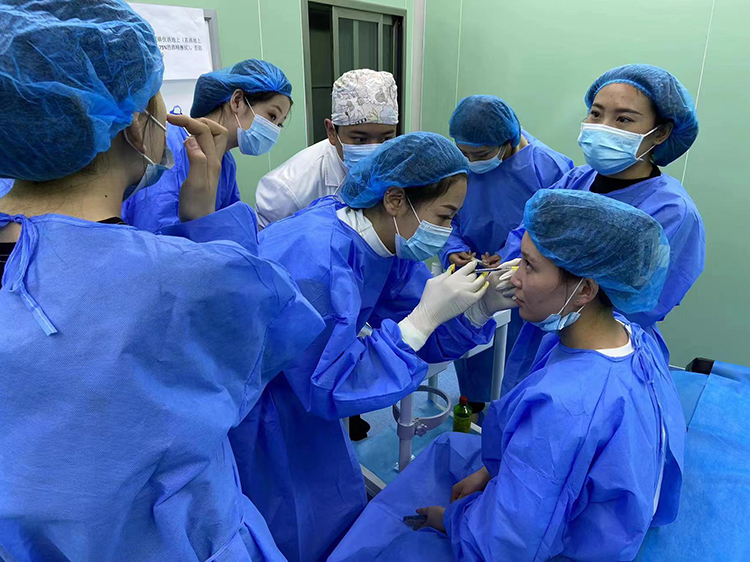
(445, 297)
(511, 265)
(499, 296)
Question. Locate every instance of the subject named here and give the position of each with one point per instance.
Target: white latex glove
(500, 280)
(445, 297)
(509, 264)
(500, 296)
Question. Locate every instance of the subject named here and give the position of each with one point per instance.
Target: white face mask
(353, 153)
(484, 166)
(609, 150)
(557, 322)
(260, 137)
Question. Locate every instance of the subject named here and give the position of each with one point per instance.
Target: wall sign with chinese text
(183, 37)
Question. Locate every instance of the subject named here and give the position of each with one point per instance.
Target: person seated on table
(582, 457)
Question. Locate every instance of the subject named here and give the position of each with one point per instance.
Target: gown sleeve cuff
(236, 223)
(477, 315)
(412, 336)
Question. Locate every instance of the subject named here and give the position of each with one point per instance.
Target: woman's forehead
(622, 96)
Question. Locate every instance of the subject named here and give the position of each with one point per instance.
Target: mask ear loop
(127, 139)
(640, 158)
(338, 138)
(162, 127)
(412, 210)
(155, 120)
(250, 106)
(570, 298)
(251, 109)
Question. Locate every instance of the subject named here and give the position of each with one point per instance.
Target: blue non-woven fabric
(624, 249)
(715, 502)
(411, 160)
(560, 485)
(5, 186)
(295, 442)
(114, 442)
(380, 533)
(495, 201)
(663, 198)
(71, 77)
(252, 76)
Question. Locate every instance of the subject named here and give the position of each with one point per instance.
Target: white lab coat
(310, 174)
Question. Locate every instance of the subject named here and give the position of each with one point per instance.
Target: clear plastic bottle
(462, 416)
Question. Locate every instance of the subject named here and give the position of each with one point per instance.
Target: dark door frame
(363, 7)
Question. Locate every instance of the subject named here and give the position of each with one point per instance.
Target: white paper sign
(183, 38)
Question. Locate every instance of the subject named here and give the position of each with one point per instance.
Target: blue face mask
(484, 166)
(426, 242)
(609, 150)
(154, 171)
(260, 137)
(353, 153)
(555, 322)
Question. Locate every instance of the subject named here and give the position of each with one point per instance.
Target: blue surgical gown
(295, 459)
(493, 207)
(715, 501)
(495, 201)
(665, 199)
(5, 186)
(114, 441)
(575, 453)
(157, 206)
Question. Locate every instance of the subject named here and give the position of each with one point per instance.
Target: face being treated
(540, 286)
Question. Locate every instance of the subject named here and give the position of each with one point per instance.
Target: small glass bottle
(462, 416)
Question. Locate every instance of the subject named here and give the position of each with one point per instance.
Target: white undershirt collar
(621, 351)
(356, 219)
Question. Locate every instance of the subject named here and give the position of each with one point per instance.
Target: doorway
(341, 36)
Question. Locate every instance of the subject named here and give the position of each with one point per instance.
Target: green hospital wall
(272, 30)
(542, 55)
